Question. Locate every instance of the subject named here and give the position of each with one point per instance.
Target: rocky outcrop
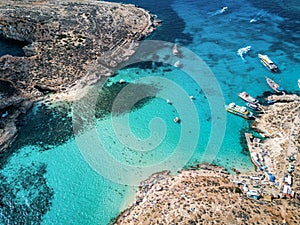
(280, 124)
(68, 41)
(69, 44)
(11, 110)
(207, 195)
(202, 197)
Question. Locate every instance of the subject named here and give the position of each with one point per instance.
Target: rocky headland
(279, 148)
(68, 44)
(207, 194)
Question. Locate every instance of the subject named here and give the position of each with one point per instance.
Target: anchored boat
(177, 120)
(268, 63)
(246, 97)
(276, 87)
(256, 107)
(239, 110)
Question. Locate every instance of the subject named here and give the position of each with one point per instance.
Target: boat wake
(243, 51)
(218, 12)
(258, 16)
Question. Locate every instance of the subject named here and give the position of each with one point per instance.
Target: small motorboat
(239, 110)
(270, 100)
(276, 87)
(246, 97)
(256, 107)
(299, 83)
(268, 63)
(177, 120)
(169, 101)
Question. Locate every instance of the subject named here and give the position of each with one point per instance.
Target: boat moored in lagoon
(239, 110)
(177, 120)
(276, 87)
(268, 63)
(256, 107)
(246, 97)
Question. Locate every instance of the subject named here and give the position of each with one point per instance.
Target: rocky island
(68, 44)
(208, 194)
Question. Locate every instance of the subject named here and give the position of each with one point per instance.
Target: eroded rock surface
(70, 44)
(202, 197)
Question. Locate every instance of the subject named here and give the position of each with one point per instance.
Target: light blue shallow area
(81, 195)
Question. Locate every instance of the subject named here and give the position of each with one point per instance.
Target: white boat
(246, 97)
(255, 107)
(177, 120)
(239, 110)
(299, 83)
(274, 85)
(268, 63)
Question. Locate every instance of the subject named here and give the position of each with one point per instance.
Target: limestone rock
(69, 44)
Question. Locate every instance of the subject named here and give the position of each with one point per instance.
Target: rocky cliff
(203, 196)
(69, 44)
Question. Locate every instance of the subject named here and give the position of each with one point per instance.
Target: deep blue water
(45, 177)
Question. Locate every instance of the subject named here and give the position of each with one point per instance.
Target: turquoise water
(45, 177)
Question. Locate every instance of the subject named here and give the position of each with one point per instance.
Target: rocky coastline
(279, 152)
(69, 44)
(207, 194)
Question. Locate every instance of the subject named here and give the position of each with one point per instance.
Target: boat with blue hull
(274, 86)
(256, 107)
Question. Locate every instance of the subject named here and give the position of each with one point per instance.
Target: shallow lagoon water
(69, 191)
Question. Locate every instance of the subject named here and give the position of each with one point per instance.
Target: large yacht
(239, 110)
(268, 63)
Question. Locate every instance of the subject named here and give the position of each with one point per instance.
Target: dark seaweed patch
(45, 127)
(48, 127)
(26, 198)
(146, 65)
(108, 94)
